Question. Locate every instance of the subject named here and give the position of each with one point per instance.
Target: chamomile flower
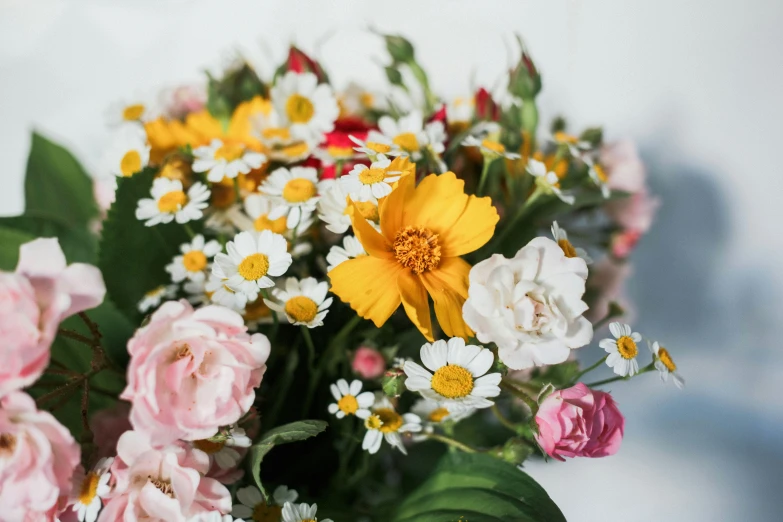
(226, 160)
(153, 298)
(350, 399)
(253, 506)
(376, 144)
(282, 144)
(128, 152)
(221, 449)
(123, 112)
(432, 413)
(407, 133)
(193, 262)
(575, 146)
(599, 177)
(304, 105)
(548, 181)
(490, 148)
(218, 291)
(303, 302)
(333, 208)
(365, 183)
(457, 380)
(89, 489)
(435, 137)
(665, 365)
(296, 191)
(169, 202)
(622, 349)
(258, 207)
(459, 114)
(352, 248)
(561, 238)
(385, 423)
(301, 513)
(251, 260)
(256, 313)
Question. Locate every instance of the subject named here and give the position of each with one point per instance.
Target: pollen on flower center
(348, 404)
(184, 351)
(130, 163)
(494, 146)
(373, 422)
(172, 201)
(406, 141)
(254, 266)
(380, 148)
(417, 248)
(194, 261)
(163, 485)
(567, 247)
(299, 190)
(301, 308)
(89, 488)
(230, 151)
(133, 112)
(391, 421)
(7, 443)
(452, 381)
(339, 152)
(666, 359)
(438, 414)
(263, 222)
(209, 447)
(299, 108)
(370, 176)
(627, 347)
(262, 512)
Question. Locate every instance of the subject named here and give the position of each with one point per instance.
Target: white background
(696, 83)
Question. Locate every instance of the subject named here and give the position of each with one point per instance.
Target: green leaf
(10, 241)
(560, 375)
(57, 185)
(477, 487)
(78, 244)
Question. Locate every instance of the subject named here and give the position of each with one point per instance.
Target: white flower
(153, 298)
(303, 302)
(225, 160)
(376, 144)
(125, 112)
(218, 291)
(89, 489)
(665, 365)
(351, 249)
(370, 183)
(459, 112)
(194, 260)
(251, 260)
(435, 137)
(333, 208)
(213, 516)
(169, 202)
(220, 449)
(296, 191)
(309, 108)
(599, 177)
(407, 133)
(128, 152)
(251, 500)
(548, 181)
(574, 144)
(385, 423)
(561, 238)
(490, 149)
(301, 513)
(457, 380)
(282, 144)
(622, 349)
(530, 306)
(432, 413)
(258, 207)
(350, 399)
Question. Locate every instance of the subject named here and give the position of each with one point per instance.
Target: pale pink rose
(636, 212)
(623, 166)
(624, 243)
(108, 425)
(192, 371)
(104, 190)
(185, 99)
(37, 460)
(38, 296)
(607, 279)
(368, 363)
(579, 422)
(165, 484)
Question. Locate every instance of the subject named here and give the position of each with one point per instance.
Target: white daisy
(459, 113)
(575, 146)
(622, 349)
(282, 144)
(251, 260)
(435, 137)
(385, 423)
(304, 105)
(599, 177)
(89, 489)
(407, 133)
(333, 208)
(254, 507)
(124, 112)
(352, 248)
(153, 298)
(548, 181)
(561, 238)
(128, 152)
(490, 149)
(225, 160)
(169, 202)
(376, 144)
(220, 449)
(458, 380)
(665, 365)
(296, 191)
(193, 262)
(197, 292)
(258, 207)
(350, 399)
(303, 302)
(432, 413)
(370, 183)
(218, 291)
(301, 513)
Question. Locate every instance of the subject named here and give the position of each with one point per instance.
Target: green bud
(558, 125)
(393, 382)
(516, 451)
(400, 49)
(593, 135)
(394, 75)
(524, 80)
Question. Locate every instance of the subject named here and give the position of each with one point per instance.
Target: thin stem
(646, 369)
(521, 212)
(189, 230)
(451, 442)
(532, 404)
(70, 334)
(310, 347)
(503, 420)
(484, 176)
(591, 367)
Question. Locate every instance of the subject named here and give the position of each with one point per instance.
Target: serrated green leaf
(10, 241)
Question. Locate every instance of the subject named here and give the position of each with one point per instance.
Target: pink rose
(368, 363)
(636, 212)
(579, 422)
(624, 168)
(33, 301)
(108, 425)
(161, 484)
(192, 371)
(624, 243)
(37, 460)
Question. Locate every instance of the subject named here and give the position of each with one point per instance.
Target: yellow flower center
(373, 422)
(279, 133)
(194, 261)
(563, 137)
(264, 513)
(301, 308)
(277, 226)
(379, 148)
(172, 201)
(299, 108)
(89, 488)
(183, 351)
(627, 347)
(406, 141)
(600, 173)
(417, 248)
(339, 152)
(370, 176)
(452, 381)
(295, 150)
(209, 447)
(438, 415)
(230, 152)
(348, 404)
(256, 310)
(567, 247)
(666, 359)
(494, 146)
(7, 443)
(133, 112)
(254, 266)
(299, 190)
(174, 170)
(130, 163)
(366, 99)
(391, 421)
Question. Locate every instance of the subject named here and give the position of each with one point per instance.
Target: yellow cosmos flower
(424, 231)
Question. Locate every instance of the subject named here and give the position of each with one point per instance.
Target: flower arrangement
(304, 303)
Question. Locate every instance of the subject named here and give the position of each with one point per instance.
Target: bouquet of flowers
(303, 302)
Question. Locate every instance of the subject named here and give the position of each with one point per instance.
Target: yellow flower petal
(416, 303)
(392, 206)
(373, 242)
(448, 286)
(369, 286)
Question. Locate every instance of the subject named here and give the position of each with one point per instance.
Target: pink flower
(579, 422)
(33, 301)
(625, 242)
(636, 212)
(37, 460)
(625, 169)
(192, 371)
(161, 484)
(184, 100)
(368, 363)
(108, 425)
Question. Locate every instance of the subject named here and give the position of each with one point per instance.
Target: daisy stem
(510, 225)
(451, 442)
(503, 419)
(310, 348)
(646, 369)
(532, 404)
(189, 230)
(591, 368)
(484, 176)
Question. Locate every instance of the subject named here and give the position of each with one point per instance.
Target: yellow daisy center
(666, 359)
(130, 163)
(7, 443)
(89, 488)
(295, 150)
(391, 421)
(263, 222)
(348, 404)
(301, 308)
(494, 146)
(173, 170)
(600, 173)
(256, 310)
(265, 513)
(280, 133)
(163, 485)
(230, 152)
(209, 447)
(452, 381)
(299, 108)
(254, 266)
(627, 347)
(417, 248)
(563, 137)
(133, 112)
(194, 261)
(406, 141)
(438, 414)
(366, 99)
(339, 152)
(370, 176)
(299, 190)
(378, 148)
(373, 422)
(567, 247)
(172, 201)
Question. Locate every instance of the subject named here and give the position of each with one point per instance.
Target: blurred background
(696, 84)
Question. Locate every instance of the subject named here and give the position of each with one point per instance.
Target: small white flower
(225, 160)
(301, 513)
(252, 499)
(407, 133)
(350, 399)
(385, 423)
(432, 413)
(599, 177)
(89, 489)
(193, 262)
(548, 181)
(370, 183)
(128, 152)
(170, 202)
(575, 146)
(218, 291)
(622, 349)
(258, 207)
(333, 208)
(561, 238)
(458, 381)
(303, 302)
(376, 144)
(153, 298)
(304, 105)
(296, 192)
(459, 112)
(251, 260)
(665, 365)
(435, 137)
(490, 149)
(283, 144)
(124, 112)
(351, 249)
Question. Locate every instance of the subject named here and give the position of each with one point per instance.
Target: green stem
(590, 368)
(189, 230)
(529, 401)
(503, 420)
(310, 348)
(646, 369)
(521, 212)
(451, 442)
(484, 176)
(275, 320)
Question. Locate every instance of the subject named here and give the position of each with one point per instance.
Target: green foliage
(10, 241)
(559, 375)
(237, 86)
(78, 244)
